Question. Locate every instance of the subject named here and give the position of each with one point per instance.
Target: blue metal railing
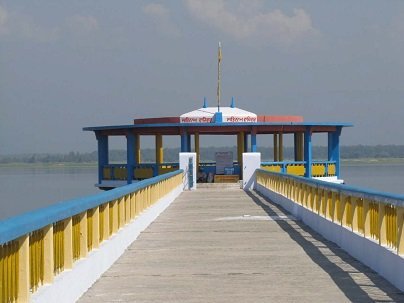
(366, 223)
(148, 170)
(20, 225)
(38, 245)
(360, 192)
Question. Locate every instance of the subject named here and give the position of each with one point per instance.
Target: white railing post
(251, 162)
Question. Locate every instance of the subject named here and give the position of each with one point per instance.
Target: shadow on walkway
(358, 282)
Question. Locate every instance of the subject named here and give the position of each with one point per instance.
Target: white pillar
(184, 164)
(251, 161)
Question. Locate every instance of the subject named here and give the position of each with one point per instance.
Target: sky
(65, 65)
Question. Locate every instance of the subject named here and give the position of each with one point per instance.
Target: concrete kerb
(382, 260)
(70, 285)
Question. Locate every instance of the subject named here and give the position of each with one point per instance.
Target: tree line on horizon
(207, 154)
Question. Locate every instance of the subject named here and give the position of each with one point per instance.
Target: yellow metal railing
(272, 167)
(298, 168)
(76, 237)
(103, 227)
(58, 246)
(9, 261)
(295, 169)
(318, 170)
(35, 258)
(391, 225)
(380, 219)
(332, 170)
(140, 171)
(360, 215)
(374, 220)
(90, 230)
(106, 173)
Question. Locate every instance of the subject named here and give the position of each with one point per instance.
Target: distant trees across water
(207, 154)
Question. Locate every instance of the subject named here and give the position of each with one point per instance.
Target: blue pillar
(184, 142)
(102, 154)
(246, 143)
(253, 142)
(334, 150)
(189, 143)
(130, 156)
(307, 153)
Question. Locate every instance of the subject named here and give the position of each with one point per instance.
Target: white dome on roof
(230, 115)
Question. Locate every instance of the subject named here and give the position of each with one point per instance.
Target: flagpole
(219, 60)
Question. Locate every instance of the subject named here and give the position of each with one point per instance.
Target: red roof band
(169, 120)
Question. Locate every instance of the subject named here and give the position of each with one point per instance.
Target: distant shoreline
(370, 161)
(349, 154)
(49, 165)
(347, 162)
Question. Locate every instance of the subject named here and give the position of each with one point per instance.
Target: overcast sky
(69, 64)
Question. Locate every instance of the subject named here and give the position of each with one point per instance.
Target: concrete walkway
(216, 245)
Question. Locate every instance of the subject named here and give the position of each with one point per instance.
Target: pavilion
(208, 121)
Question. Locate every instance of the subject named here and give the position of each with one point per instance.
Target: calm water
(381, 177)
(24, 189)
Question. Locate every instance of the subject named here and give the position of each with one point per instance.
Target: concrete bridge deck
(216, 245)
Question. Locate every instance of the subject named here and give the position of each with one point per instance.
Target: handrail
(320, 168)
(298, 162)
(141, 164)
(20, 225)
(119, 171)
(282, 162)
(367, 224)
(378, 216)
(38, 245)
(359, 192)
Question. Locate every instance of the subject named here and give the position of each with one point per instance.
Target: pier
(222, 245)
(285, 230)
(283, 238)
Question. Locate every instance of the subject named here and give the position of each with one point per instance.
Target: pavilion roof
(217, 128)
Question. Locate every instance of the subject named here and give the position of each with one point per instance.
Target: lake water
(381, 177)
(25, 189)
